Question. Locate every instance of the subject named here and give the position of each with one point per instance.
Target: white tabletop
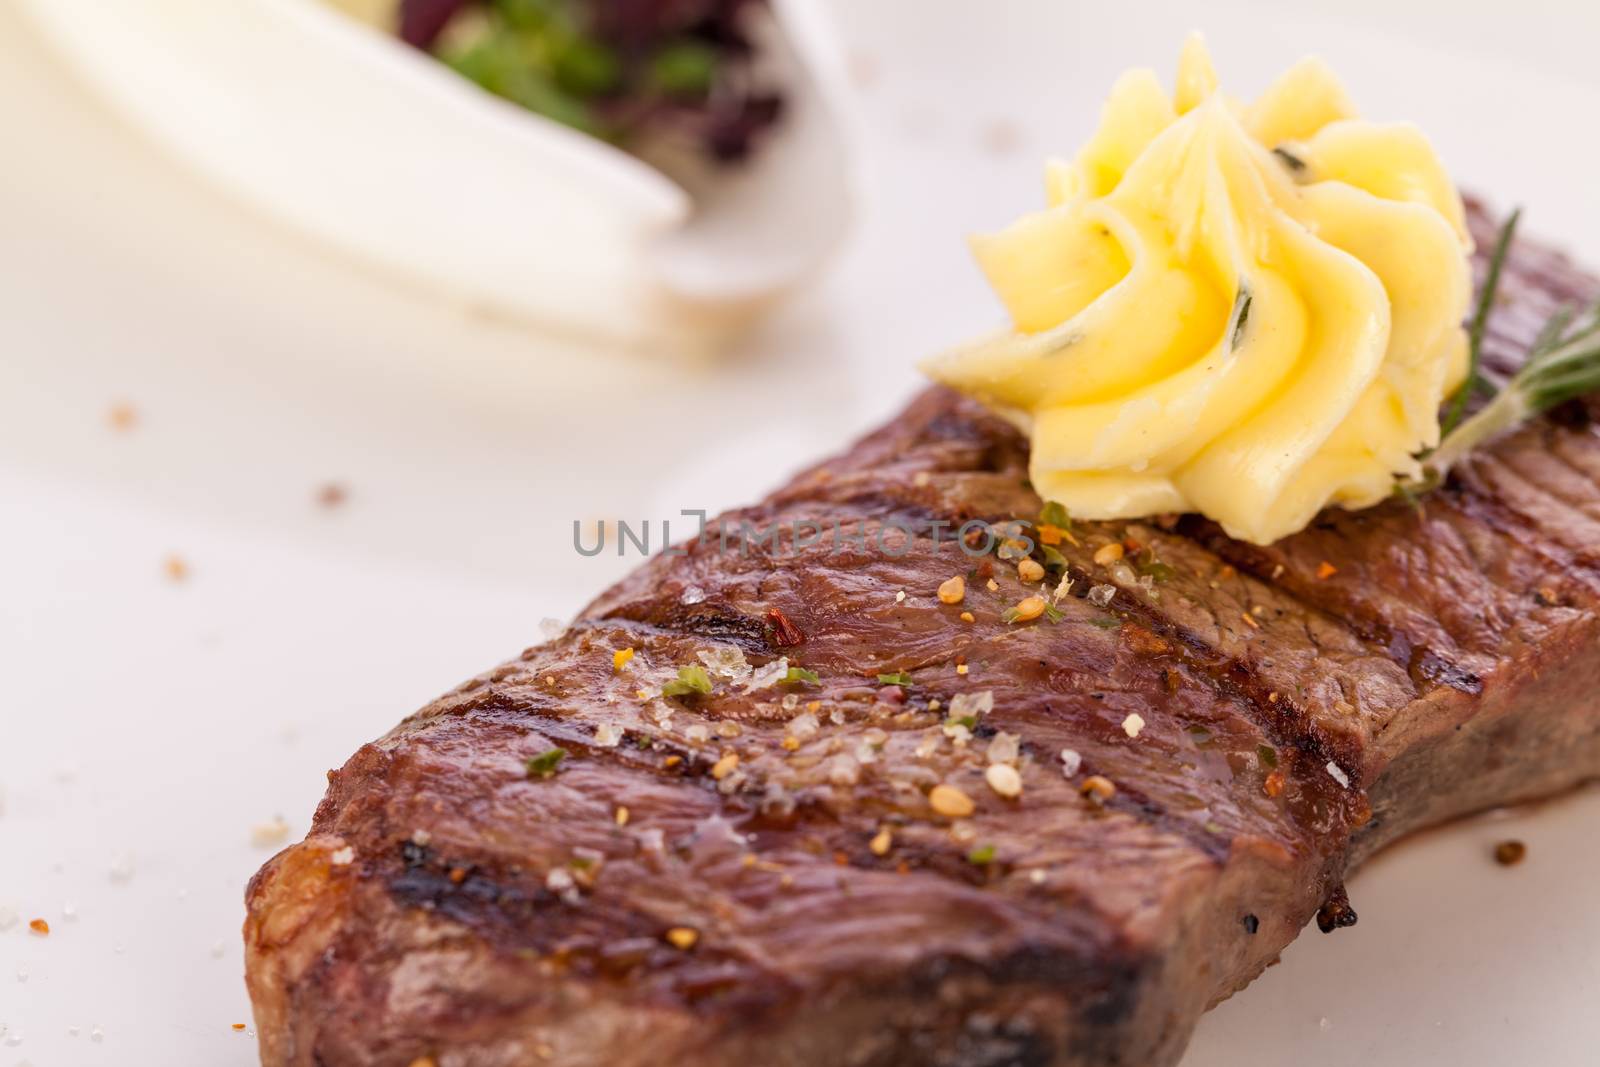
(147, 725)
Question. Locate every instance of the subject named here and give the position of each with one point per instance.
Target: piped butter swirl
(1248, 311)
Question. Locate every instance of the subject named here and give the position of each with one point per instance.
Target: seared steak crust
(651, 899)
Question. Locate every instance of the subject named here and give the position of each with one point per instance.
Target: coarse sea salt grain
(1338, 774)
(1071, 761)
(1133, 724)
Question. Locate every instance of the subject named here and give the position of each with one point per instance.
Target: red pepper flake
(785, 634)
(1326, 570)
(458, 875)
(1274, 784)
(238, 1028)
(40, 927)
(332, 495)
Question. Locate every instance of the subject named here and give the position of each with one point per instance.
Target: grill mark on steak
(1092, 934)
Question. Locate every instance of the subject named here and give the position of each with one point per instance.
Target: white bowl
(357, 139)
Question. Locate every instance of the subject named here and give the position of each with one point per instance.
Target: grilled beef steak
(825, 872)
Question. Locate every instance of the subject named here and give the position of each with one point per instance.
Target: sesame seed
(1004, 779)
(1133, 724)
(1249, 620)
(683, 938)
(1029, 608)
(1098, 788)
(967, 616)
(882, 842)
(1030, 570)
(949, 801)
(900, 597)
(724, 766)
(1071, 761)
(1107, 554)
(952, 590)
(622, 815)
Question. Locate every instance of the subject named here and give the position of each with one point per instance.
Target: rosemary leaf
(1480, 322)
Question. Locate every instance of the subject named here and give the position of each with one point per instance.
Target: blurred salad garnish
(642, 74)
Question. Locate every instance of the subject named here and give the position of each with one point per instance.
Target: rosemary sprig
(1564, 362)
(1480, 322)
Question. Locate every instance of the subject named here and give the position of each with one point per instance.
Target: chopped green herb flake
(800, 674)
(1053, 613)
(1157, 570)
(981, 856)
(1053, 560)
(1239, 316)
(690, 680)
(1105, 622)
(1268, 755)
(1295, 164)
(1055, 515)
(896, 678)
(545, 763)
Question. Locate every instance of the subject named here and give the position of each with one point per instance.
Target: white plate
(164, 721)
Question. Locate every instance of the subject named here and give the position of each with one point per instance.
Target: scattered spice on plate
(40, 927)
(122, 417)
(1510, 853)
